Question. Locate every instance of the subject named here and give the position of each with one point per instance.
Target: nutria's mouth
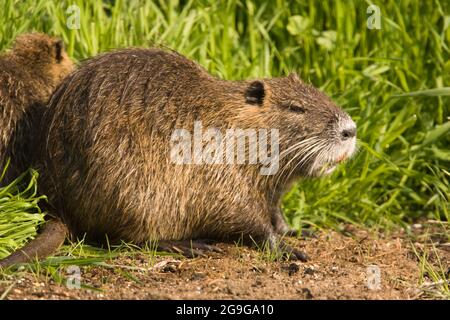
(325, 153)
(329, 166)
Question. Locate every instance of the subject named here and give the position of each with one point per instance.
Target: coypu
(106, 163)
(28, 75)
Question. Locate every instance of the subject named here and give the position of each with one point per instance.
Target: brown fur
(106, 165)
(28, 75)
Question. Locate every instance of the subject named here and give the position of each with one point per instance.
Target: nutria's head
(314, 133)
(42, 55)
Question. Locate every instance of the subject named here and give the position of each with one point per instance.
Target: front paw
(292, 254)
(283, 251)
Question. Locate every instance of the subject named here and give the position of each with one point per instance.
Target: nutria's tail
(47, 242)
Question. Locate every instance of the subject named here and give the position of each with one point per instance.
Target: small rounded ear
(58, 47)
(255, 93)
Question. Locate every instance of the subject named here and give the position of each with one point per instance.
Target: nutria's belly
(138, 225)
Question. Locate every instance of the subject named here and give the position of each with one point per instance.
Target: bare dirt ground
(338, 269)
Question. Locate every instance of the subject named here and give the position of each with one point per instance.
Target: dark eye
(295, 107)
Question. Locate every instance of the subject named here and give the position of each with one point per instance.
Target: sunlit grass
(434, 282)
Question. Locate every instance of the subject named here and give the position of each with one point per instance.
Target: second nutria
(29, 73)
(106, 163)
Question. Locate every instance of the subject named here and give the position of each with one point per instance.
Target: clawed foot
(291, 254)
(188, 248)
(285, 252)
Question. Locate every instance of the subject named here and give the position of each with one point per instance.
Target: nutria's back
(108, 136)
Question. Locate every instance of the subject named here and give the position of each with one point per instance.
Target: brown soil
(337, 270)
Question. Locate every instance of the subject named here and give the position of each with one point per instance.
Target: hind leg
(259, 236)
(188, 248)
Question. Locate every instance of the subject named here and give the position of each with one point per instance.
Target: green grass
(434, 282)
(394, 82)
(20, 214)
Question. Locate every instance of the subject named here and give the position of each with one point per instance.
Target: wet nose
(348, 132)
